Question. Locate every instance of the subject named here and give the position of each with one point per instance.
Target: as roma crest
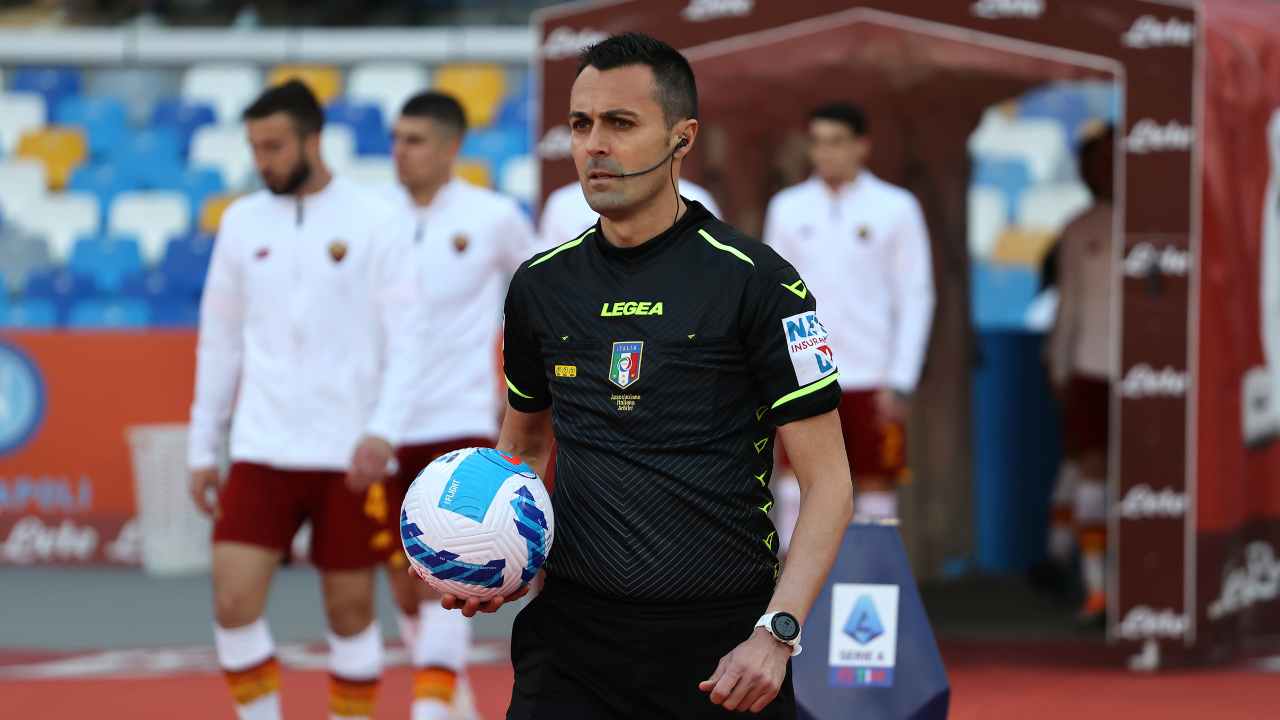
(460, 242)
(624, 365)
(337, 250)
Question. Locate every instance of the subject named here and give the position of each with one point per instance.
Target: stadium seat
(988, 214)
(1022, 246)
(479, 87)
(153, 216)
(325, 81)
(22, 181)
(123, 313)
(174, 313)
(519, 178)
(29, 314)
(197, 183)
(338, 147)
(107, 259)
(1049, 207)
(372, 172)
(20, 113)
(54, 83)
(21, 253)
(515, 110)
(387, 85)
(227, 88)
(496, 145)
(475, 172)
(366, 122)
(1103, 98)
(223, 147)
(1041, 144)
(146, 149)
(186, 262)
(61, 288)
(103, 119)
(104, 182)
(1009, 176)
(61, 218)
(1060, 102)
(211, 212)
(1001, 295)
(183, 116)
(61, 150)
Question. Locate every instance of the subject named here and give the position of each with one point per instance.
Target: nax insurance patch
(624, 364)
(806, 339)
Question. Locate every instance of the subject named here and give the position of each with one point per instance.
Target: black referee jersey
(667, 368)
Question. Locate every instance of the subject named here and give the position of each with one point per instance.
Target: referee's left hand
(749, 677)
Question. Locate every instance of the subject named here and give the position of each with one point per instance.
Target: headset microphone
(682, 143)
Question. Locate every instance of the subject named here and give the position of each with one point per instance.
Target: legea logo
(557, 144)
(1145, 259)
(993, 9)
(1142, 622)
(704, 10)
(1242, 587)
(564, 42)
(1143, 502)
(1148, 32)
(1148, 136)
(1143, 381)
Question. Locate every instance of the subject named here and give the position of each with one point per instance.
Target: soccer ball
(477, 523)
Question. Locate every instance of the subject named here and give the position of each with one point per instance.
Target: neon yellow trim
(797, 288)
(515, 389)
(721, 246)
(768, 540)
(564, 246)
(766, 507)
(810, 388)
(761, 477)
(760, 444)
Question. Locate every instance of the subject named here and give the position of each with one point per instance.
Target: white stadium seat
(19, 112)
(372, 172)
(229, 88)
(226, 148)
(22, 182)
(520, 178)
(988, 215)
(1040, 143)
(1050, 206)
(387, 85)
(61, 218)
(153, 216)
(337, 147)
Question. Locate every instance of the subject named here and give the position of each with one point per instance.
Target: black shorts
(580, 656)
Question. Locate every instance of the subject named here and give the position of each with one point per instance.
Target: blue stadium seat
(104, 119)
(104, 181)
(175, 313)
(366, 123)
(199, 184)
(515, 108)
(108, 260)
(109, 314)
(1062, 103)
(54, 83)
(186, 262)
(1010, 176)
(31, 314)
(1001, 294)
(148, 148)
(151, 285)
(61, 287)
(182, 116)
(495, 146)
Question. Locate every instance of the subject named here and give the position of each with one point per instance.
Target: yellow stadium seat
(325, 81)
(475, 172)
(1022, 246)
(478, 87)
(211, 212)
(61, 149)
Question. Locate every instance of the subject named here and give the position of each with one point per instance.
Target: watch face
(785, 626)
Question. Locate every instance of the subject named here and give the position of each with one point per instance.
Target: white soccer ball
(477, 523)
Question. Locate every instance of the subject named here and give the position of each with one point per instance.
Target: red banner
(66, 475)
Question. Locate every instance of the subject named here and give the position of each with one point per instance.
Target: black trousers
(581, 656)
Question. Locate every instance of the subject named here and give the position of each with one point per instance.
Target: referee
(665, 351)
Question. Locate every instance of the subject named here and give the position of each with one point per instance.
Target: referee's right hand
(471, 606)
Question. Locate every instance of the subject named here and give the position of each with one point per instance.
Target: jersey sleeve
(787, 347)
(522, 366)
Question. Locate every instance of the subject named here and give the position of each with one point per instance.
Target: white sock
(247, 657)
(354, 661)
(875, 505)
(408, 629)
(1062, 542)
(1093, 567)
(443, 642)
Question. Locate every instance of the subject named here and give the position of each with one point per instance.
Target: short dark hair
(441, 107)
(847, 113)
(293, 98)
(677, 89)
(1096, 141)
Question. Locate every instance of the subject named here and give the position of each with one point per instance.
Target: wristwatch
(784, 627)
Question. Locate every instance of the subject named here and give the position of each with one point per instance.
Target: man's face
(836, 153)
(618, 126)
(280, 152)
(424, 150)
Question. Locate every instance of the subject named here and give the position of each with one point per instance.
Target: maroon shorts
(412, 459)
(264, 506)
(876, 445)
(1086, 413)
